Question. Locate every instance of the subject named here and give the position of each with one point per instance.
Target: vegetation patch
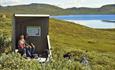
(66, 38)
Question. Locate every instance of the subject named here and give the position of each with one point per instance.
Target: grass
(66, 37)
(72, 36)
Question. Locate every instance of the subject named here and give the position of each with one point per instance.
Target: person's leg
(24, 50)
(33, 50)
(28, 52)
(34, 55)
(20, 51)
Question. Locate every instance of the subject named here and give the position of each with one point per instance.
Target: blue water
(92, 21)
(86, 17)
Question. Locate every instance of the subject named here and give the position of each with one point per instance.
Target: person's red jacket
(21, 46)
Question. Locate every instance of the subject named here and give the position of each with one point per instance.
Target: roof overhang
(31, 15)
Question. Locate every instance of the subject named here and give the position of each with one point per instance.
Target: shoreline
(93, 24)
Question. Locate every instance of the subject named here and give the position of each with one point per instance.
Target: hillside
(54, 10)
(33, 8)
(65, 37)
(106, 9)
(71, 36)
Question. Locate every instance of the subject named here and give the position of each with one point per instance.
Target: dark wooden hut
(35, 29)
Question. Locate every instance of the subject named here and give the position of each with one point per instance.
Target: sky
(60, 3)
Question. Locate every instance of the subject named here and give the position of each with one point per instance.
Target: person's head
(21, 36)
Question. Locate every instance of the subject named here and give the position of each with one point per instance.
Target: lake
(92, 21)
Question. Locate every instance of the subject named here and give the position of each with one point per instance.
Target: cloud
(85, 3)
(95, 3)
(11, 2)
(60, 3)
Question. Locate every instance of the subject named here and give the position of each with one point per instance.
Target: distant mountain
(54, 10)
(33, 8)
(106, 9)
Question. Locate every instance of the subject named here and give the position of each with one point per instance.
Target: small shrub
(14, 61)
(5, 42)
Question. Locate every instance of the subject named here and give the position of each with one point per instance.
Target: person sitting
(21, 45)
(26, 49)
(30, 50)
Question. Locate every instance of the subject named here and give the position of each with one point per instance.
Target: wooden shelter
(35, 29)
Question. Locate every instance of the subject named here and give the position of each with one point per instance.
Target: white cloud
(11, 2)
(61, 3)
(96, 3)
(85, 3)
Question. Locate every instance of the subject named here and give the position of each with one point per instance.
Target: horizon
(52, 5)
(62, 3)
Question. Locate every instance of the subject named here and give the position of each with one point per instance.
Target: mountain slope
(70, 35)
(33, 8)
(54, 10)
(106, 9)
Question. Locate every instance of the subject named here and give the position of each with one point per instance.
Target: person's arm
(27, 45)
(33, 45)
